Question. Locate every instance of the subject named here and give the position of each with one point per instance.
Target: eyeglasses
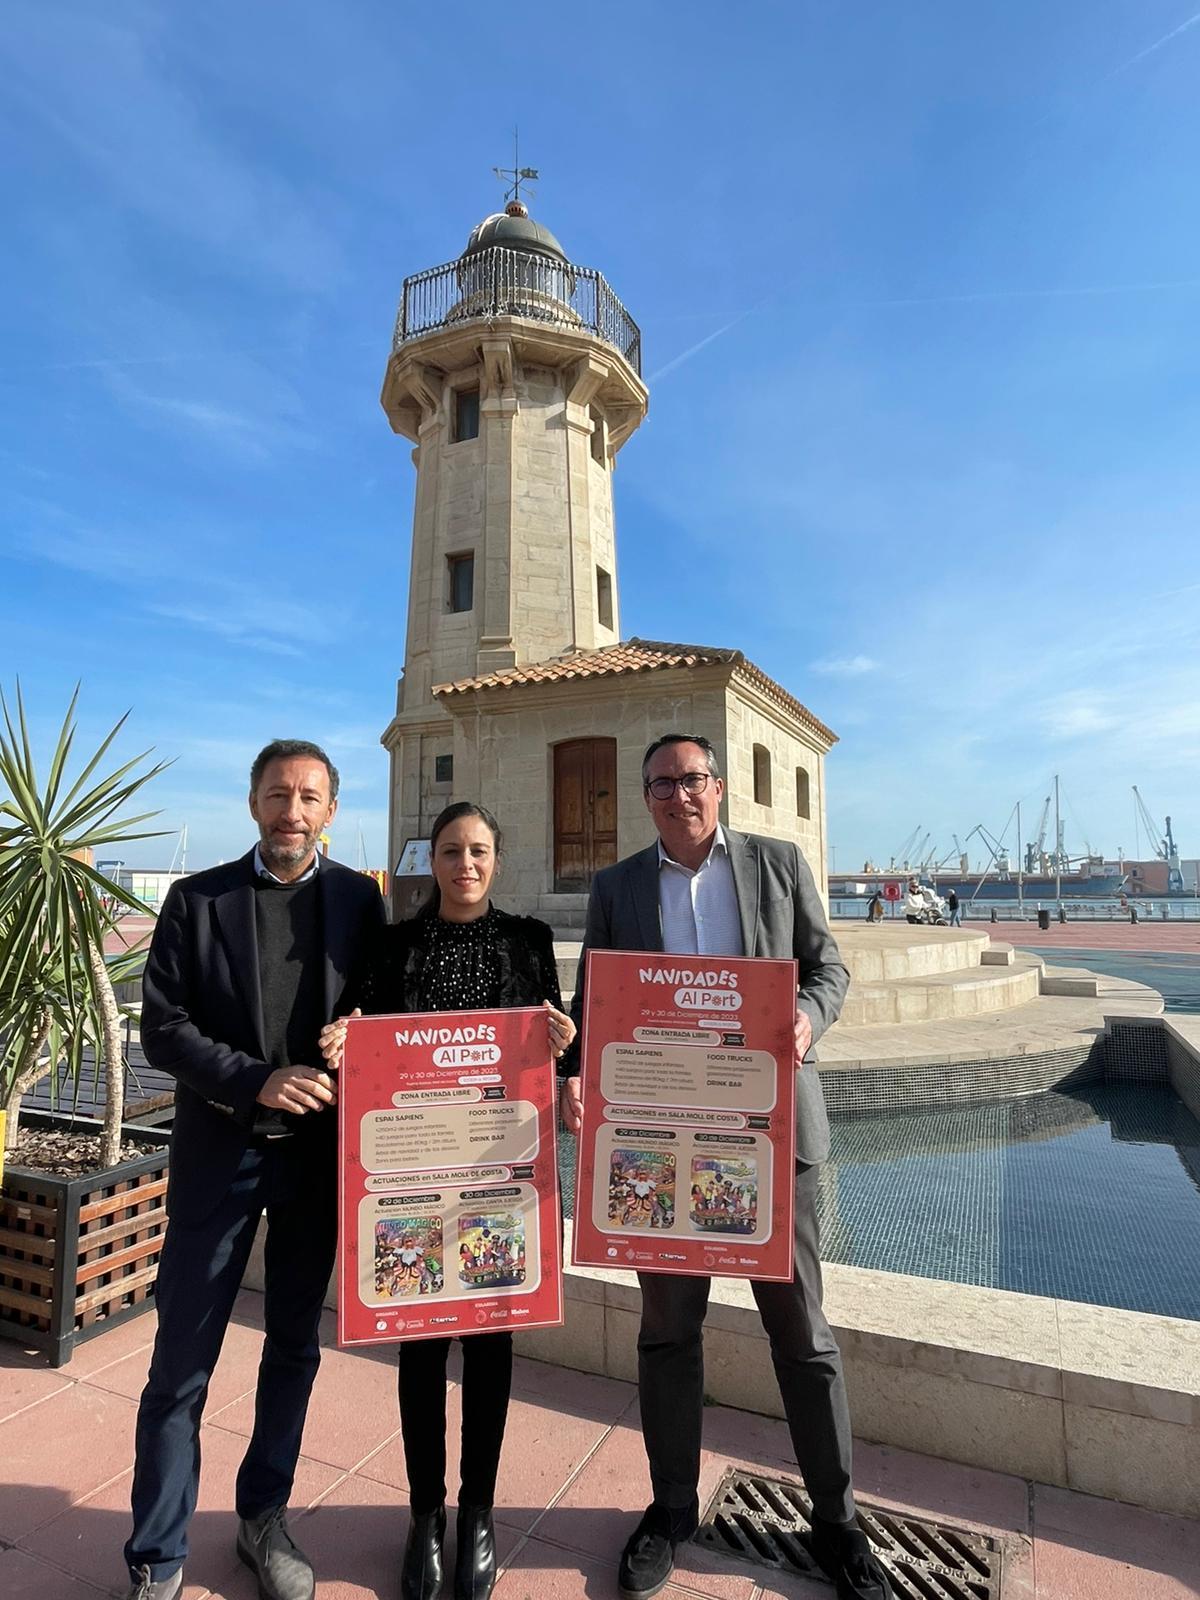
(690, 783)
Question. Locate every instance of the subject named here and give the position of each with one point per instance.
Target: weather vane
(517, 174)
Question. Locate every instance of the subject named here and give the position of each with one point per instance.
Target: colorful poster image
(408, 1258)
(687, 1152)
(449, 1211)
(491, 1250)
(724, 1194)
(641, 1188)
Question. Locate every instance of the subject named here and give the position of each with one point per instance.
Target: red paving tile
(58, 1451)
(600, 1509)
(1079, 1531)
(573, 1475)
(87, 1539)
(941, 1489)
(236, 1373)
(1147, 937)
(543, 1448)
(23, 1577)
(1062, 1572)
(114, 1344)
(577, 1394)
(340, 1430)
(25, 1379)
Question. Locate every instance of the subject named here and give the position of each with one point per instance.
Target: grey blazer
(781, 915)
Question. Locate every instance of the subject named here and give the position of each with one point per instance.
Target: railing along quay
(514, 283)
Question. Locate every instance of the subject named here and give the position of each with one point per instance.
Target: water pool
(1089, 1194)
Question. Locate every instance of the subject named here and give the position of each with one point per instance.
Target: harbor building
(516, 374)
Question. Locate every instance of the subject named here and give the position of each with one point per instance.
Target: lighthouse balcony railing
(514, 283)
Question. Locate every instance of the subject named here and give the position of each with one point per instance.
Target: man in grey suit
(702, 889)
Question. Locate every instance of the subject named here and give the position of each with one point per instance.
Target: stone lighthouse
(516, 373)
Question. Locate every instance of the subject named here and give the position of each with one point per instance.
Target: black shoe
(143, 1587)
(648, 1559)
(268, 1549)
(475, 1555)
(421, 1574)
(843, 1552)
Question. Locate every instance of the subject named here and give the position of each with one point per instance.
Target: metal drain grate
(767, 1521)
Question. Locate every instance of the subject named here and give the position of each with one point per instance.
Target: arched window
(762, 775)
(803, 803)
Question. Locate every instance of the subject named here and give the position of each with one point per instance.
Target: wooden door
(585, 811)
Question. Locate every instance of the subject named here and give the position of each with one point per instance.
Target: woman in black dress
(460, 954)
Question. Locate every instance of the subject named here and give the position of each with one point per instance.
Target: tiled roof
(636, 655)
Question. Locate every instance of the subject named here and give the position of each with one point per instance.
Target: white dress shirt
(698, 907)
(264, 871)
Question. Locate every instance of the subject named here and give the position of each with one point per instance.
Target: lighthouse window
(462, 582)
(762, 775)
(803, 804)
(466, 414)
(604, 609)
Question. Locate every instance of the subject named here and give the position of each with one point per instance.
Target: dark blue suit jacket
(202, 1015)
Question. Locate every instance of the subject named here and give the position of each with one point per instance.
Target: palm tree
(57, 995)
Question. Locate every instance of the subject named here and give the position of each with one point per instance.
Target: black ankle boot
(421, 1574)
(475, 1558)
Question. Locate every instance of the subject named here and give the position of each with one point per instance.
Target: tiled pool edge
(1082, 1397)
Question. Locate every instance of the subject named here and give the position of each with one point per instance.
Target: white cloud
(1076, 716)
(845, 666)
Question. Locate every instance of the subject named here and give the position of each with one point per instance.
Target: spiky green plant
(57, 996)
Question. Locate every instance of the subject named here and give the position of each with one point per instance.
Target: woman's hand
(570, 1104)
(333, 1040)
(562, 1030)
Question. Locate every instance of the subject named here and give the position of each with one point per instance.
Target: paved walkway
(573, 1475)
(1148, 935)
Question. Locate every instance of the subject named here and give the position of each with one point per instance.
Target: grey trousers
(807, 1364)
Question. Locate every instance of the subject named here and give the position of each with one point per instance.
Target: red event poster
(448, 1208)
(687, 1153)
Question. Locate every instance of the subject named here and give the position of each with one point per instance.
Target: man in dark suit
(247, 963)
(702, 889)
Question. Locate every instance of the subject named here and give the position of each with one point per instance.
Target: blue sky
(920, 294)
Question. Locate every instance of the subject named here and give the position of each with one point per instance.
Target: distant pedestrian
(914, 902)
(953, 907)
(875, 907)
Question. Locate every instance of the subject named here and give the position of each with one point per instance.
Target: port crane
(1166, 849)
(1035, 850)
(901, 856)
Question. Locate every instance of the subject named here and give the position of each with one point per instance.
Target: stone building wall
(505, 757)
(756, 723)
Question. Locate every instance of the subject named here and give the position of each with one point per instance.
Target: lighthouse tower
(516, 374)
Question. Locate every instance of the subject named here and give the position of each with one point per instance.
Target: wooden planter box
(78, 1255)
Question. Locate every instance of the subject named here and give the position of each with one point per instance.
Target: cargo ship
(1086, 882)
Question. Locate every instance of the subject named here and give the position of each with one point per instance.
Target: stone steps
(932, 997)
(894, 950)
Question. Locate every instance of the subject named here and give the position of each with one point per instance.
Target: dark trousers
(807, 1364)
(199, 1274)
(486, 1382)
